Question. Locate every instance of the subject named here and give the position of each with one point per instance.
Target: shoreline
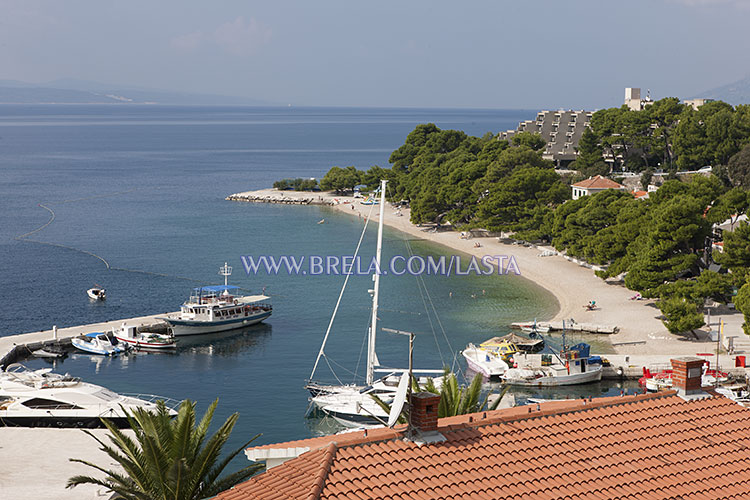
(572, 285)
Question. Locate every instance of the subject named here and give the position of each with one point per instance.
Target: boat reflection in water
(229, 343)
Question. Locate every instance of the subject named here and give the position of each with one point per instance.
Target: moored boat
(351, 402)
(534, 343)
(98, 343)
(662, 379)
(129, 334)
(41, 398)
(218, 308)
(488, 363)
(571, 368)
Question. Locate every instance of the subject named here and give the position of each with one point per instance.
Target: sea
(132, 198)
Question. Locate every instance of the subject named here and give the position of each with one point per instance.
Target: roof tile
(640, 447)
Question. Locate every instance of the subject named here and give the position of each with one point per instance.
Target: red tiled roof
(648, 446)
(598, 182)
(640, 194)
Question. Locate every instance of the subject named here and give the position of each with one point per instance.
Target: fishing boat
(98, 343)
(96, 293)
(346, 401)
(41, 398)
(218, 308)
(574, 366)
(129, 335)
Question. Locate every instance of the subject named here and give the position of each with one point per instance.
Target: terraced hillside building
(561, 129)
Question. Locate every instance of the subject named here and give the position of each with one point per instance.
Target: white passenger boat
(572, 368)
(98, 343)
(41, 398)
(218, 308)
(129, 335)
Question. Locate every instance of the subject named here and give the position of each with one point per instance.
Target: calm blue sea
(143, 188)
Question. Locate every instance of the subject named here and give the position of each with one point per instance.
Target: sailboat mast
(371, 356)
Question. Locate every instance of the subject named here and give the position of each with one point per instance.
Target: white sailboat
(354, 402)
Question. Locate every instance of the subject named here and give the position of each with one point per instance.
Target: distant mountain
(68, 91)
(733, 93)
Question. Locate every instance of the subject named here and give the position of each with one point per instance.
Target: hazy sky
(487, 54)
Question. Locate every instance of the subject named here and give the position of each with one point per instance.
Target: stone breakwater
(283, 197)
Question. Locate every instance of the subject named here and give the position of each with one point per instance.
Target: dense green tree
(738, 168)
(736, 254)
(514, 202)
(742, 302)
(341, 179)
(681, 315)
(646, 177)
(668, 248)
(530, 140)
(297, 184)
(169, 459)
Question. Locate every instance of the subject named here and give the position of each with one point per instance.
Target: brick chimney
(424, 411)
(686, 375)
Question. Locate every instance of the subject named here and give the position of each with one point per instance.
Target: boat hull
(592, 375)
(188, 327)
(142, 344)
(92, 349)
(60, 422)
(482, 362)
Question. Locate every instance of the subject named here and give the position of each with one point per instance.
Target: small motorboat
(129, 335)
(534, 343)
(49, 352)
(98, 343)
(97, 293)
(487, 362)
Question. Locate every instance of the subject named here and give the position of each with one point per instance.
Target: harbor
(159, 248)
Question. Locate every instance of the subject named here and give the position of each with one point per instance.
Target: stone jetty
(286, 197)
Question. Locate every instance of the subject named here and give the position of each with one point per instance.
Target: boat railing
(171, 403)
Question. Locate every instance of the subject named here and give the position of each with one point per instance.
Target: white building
(593, 185)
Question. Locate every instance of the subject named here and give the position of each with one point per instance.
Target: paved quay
(34, 463)
(34, 339)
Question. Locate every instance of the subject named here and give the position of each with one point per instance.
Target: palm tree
(454, 399)
(169, 459)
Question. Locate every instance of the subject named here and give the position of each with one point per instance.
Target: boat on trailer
(218, 308)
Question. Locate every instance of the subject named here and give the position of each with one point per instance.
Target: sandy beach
(573, 285)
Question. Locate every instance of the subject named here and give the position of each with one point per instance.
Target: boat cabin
(221, 302)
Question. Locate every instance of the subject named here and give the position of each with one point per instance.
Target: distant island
(84, 92)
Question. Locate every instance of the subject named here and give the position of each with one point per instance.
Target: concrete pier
(624, 366)
(21, 345)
